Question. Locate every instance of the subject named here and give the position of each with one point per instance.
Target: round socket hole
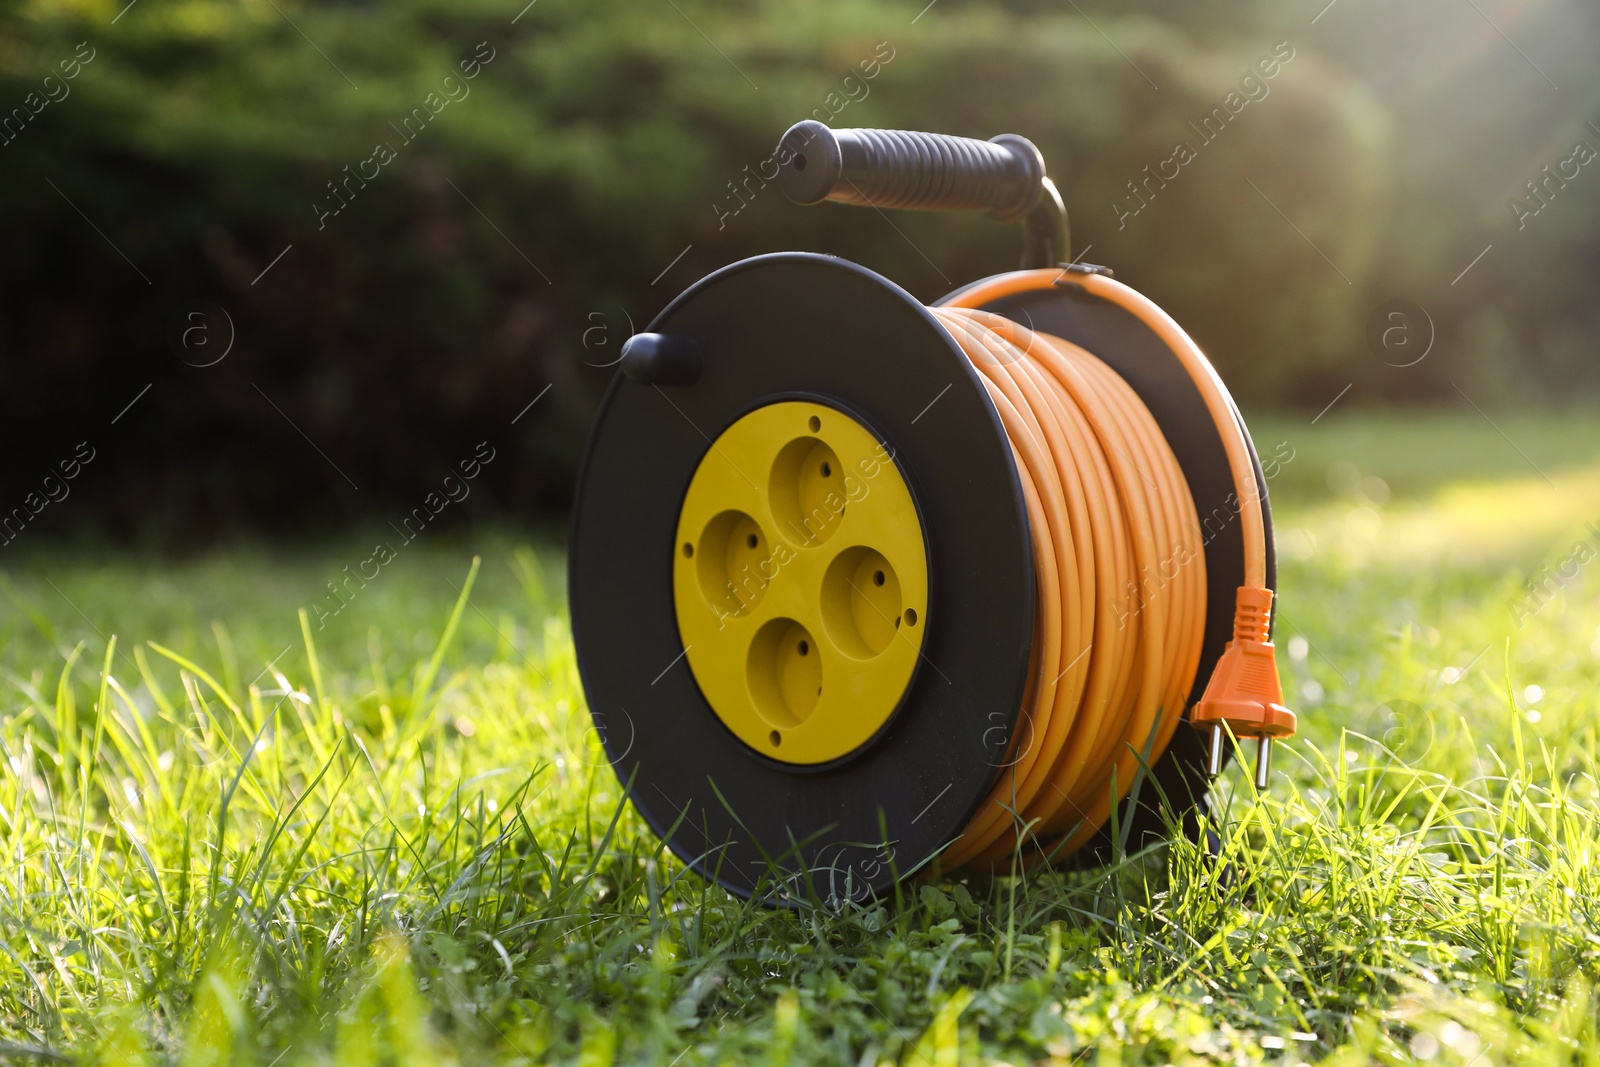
(807, 491)
(732, 563)
(861, 601)
(785, 682)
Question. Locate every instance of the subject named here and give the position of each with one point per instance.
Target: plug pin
(1263, 762)
(1214, 755)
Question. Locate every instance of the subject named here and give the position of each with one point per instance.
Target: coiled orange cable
(1120, 567)
(1121, 582)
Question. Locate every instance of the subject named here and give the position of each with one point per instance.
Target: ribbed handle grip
(918, 171)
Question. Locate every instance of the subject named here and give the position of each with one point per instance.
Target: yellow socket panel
(800, 580)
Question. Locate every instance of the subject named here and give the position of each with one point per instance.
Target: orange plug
(1244, 692)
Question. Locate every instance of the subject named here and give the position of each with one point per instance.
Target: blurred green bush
(529, 213)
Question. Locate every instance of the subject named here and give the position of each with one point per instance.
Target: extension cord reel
(862, 588)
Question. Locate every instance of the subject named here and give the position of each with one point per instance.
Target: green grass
(400, 844)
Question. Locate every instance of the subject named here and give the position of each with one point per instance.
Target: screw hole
(911, 617)
(799, 162)
(751, 540)
(776, 738)
(877, 577)
(826, 470)
(804, 648)
(815, 423)
(688, 550)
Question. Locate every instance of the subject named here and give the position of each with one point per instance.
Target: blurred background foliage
(513, 243)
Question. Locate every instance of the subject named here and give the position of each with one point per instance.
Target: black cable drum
(803, 326)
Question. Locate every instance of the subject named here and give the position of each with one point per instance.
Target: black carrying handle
(1003, 177)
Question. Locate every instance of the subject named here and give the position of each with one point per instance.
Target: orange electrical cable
(1120, 569)
(1121, 583)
